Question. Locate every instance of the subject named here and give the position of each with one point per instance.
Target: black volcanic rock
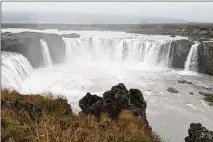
(198, 133)
(114, 101)
(87, 101)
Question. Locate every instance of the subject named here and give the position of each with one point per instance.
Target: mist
(106, 12)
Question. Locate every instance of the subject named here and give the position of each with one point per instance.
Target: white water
(15, 69)
(191, 63)
(120, 50)
(99, 60)
(47, 61)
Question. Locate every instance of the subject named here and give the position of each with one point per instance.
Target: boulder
(198, 133)
(172, 90)
(182, 81)
(191, 93)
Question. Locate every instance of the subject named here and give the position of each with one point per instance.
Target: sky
(190, 11)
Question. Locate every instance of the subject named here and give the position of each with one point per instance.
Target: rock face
(28, 44)
(172, 90)
(114, 101)
(198, 133)
(57, 47)
(179, 52)
(205, 57)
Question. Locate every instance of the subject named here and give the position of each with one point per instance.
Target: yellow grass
(52, 127)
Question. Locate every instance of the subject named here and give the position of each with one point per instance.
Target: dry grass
(52, 127)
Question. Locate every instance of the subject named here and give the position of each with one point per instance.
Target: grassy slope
(56, 125)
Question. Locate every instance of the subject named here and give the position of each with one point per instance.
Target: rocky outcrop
(205, 57)
(28, 44)
(179, 52)
(198, 133)
(114, 101)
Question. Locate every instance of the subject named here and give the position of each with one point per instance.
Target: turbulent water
(99, 60)
(191, 63)
(15, 68)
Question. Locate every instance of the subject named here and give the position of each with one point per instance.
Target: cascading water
(191, 63)
(15, 68)
(152, 52)
(46, 54)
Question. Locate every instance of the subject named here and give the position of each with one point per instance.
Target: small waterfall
(15, 68)
(191, 63)
(152, 52)
(46, 54)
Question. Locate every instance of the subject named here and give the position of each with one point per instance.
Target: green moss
(207, 97)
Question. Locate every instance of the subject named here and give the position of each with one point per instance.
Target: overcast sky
(190, 11)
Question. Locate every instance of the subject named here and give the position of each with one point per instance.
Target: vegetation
(207, 97)
(58, 124)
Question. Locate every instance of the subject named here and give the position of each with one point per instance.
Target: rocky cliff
(205, 57)
(28, 44)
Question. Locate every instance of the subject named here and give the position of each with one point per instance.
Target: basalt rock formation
(114, 101)
(198, 133)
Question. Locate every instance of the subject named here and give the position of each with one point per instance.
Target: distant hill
(81, 18)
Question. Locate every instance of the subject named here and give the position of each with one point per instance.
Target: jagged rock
(87, 101)
(191, 93)
(119, 94)
(172, 90)
(198, 133)
(114, 101)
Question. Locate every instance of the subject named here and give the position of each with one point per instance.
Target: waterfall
(46, 54)
(191, 63)
(153, 52)
(15, 68)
